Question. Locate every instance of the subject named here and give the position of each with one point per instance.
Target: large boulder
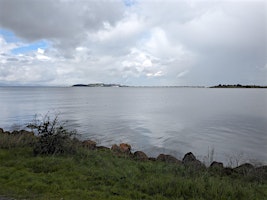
(216, 165)
(190, 160)
(189, 157)
(140, 155)
(168, 159)
(125, 148)
(89, 144)
(122, 149)
(1, 130)
(244, 169)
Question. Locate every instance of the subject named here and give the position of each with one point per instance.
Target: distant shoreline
(217, 86)
(133, 86)
(238, 86)
(118, 85)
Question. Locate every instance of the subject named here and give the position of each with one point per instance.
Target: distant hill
(238, 86)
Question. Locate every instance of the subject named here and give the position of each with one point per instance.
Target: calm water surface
(233, 122)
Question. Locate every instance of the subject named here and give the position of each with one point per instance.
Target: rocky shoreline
(189, 160)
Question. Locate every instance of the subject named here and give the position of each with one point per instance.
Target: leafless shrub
(54, 138)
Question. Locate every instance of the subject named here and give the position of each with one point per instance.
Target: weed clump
(53, 137)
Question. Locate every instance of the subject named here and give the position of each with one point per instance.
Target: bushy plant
(53, 137)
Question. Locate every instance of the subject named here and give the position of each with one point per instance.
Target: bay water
(226, 124)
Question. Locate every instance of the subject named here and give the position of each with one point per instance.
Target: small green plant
(53, 137)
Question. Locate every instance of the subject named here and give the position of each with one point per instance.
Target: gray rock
(244, 169)
(216, 165)
(189, 157)
(190, 160)
(140, 155)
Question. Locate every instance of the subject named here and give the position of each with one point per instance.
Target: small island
(238, 86)
(98, 85)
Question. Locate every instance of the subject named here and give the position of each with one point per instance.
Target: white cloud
(6, 47)
(124, 29)
(149, 42)
(156, 74)
(40, 51)
(40, 55)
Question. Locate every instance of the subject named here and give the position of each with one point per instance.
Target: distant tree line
(238, 86)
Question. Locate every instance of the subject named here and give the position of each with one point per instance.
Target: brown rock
(115, 148)
(140, 155)
(168, 158)
(89, 144)
(125, 148)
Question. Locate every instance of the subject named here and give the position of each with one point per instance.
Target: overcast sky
(133, 42)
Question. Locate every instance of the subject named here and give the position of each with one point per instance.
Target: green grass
(102, 175)
(78, 173)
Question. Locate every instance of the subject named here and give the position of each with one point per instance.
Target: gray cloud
(176, 42)
(56, 19)
(65, 22)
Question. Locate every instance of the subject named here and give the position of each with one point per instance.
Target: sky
(133, 42)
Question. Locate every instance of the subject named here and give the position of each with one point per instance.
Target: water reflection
(155, 120)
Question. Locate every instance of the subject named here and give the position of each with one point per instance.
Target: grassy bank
(83, 173)
(103, 175)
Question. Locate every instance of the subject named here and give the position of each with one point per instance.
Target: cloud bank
(174, 42)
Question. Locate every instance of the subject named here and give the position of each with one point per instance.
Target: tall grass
(9, 140)
(102, 175)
